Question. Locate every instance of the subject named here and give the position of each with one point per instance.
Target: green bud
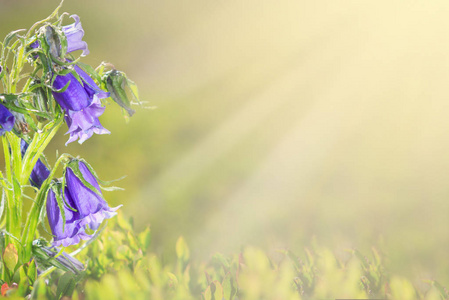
(53, 41)
(49, 256)
(116, 84)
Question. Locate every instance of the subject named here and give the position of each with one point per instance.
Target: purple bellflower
(82, 207)
(71, 232)
(80, 101)
(40, 171)
(74, 34)
(82, 105)
(6, 120)
(91, 206)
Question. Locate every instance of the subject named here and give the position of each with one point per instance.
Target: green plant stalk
(13, 157)
(12, 221)
(18, 169)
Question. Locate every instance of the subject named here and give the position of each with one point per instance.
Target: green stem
(13, 195)
(35, 25)
(37, 147)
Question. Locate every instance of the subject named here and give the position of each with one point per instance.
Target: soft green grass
(122, 265)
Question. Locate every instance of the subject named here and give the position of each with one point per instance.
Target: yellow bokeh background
(276, 123)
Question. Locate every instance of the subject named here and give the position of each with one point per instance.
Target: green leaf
(208, 293)
(145, 238)
(2, 203)
(133, 87)
(19, 275)
(10, 36)
(173, 281)
(10, 257)
(132, 241)
(182, 250)
(39, 290)
(221, 261)
(8, 39)
(228, 289)
(218, 293)
(89, 70)
(32, 272)
(111, 188)
(66, 285)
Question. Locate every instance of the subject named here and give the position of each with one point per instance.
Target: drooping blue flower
(40, 171)
(6, 120)
(74, 34)
(82, 105)
(71, 232)
(91, 206)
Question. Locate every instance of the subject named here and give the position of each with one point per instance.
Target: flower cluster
(59, 89)
(82, 206)
(81, 99)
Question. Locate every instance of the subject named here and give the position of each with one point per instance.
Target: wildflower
(69, 232)
(82, 105)
(74, 34)
(40, 171)
(91, 206)
(6, 120)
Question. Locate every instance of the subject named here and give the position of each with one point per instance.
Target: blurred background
(276, 123)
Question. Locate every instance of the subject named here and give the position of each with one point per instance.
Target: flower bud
(49, 256)
(53, 41)
(116, 82)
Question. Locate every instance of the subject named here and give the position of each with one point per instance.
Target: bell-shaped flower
(40, 171)
(82, 105)
(74, 34)
(6, 120)
(90, 205)
(67, 233)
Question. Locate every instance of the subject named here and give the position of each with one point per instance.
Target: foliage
(42, 86)
(120, 264)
